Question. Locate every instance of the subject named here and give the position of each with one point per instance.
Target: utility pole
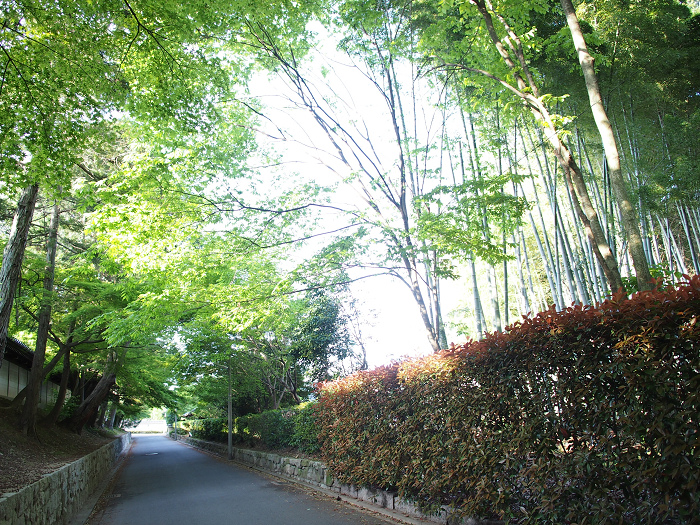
(230, 413)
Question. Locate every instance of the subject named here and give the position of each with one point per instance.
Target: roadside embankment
(56, 497)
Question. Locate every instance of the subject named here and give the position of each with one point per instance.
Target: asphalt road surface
(162, 482)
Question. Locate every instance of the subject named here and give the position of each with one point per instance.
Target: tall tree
(630, 216)
(12, 259)
(28, 418)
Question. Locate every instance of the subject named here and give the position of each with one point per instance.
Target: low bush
(586, 416)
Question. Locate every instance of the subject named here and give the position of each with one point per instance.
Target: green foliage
(453, 221)
(214, 429)
(305, 431)
(279, 429)
(273, 428)
(69, 407)
(586, 415)
(170, 417)
(320, 336)
(663, 277)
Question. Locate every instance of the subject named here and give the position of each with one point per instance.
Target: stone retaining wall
(316, 474)
(56, 497)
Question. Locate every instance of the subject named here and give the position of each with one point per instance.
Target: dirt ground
(25, 459)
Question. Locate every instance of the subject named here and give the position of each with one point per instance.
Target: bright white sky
(397, 330)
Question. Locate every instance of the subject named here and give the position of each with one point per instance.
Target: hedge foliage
(289, 427)
(588, 415)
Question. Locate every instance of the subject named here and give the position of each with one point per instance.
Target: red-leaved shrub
(589, 415)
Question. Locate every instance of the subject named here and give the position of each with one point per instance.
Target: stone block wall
(56, 497)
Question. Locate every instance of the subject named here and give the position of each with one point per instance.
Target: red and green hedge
(588, 415)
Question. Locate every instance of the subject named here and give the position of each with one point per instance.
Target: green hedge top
(588, 415)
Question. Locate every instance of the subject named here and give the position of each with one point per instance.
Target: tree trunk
(12, 259)
(478, 309)
(414, 286)
(687, 228)
(28, 418)
(630, 218)
(100, 420)
(89, 407)
(112, 414)
(52, 416)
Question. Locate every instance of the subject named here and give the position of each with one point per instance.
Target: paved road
(168, 483)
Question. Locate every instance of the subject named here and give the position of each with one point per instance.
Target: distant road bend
(166, 482)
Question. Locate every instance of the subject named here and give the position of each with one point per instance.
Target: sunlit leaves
(454, 221)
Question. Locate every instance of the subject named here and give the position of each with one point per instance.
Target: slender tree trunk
(695, 229)
(525, 304)
(52, 416)
(654, 240)
(439, 324)
(521, 241)
(687, 228)
(100, 420)
(580, 293)
(543, 244)
(112, 414)
(79, 386)
(630, 218)
(28, 418)
(666, 242)
(567, 261)
(478, 309)
(414, 286)
(473, 151)
(12, 259)
(680, 260)
(504, 243)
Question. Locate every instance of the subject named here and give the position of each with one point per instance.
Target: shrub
(274, 428)
(214, 429)
(588, 415)
(305, 429)
(289, 427)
